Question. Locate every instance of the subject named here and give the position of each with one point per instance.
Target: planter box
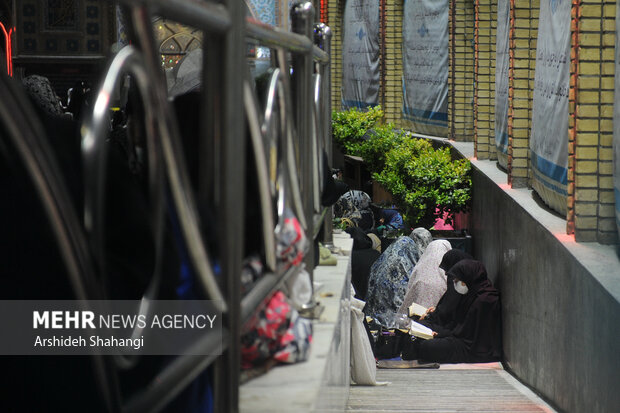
(461, 240)
(461, 221)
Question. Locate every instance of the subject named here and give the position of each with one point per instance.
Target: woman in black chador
(443, 313)
(473, 333)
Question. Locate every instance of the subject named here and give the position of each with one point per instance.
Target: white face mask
(460, 287)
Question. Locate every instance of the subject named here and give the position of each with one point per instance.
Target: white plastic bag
(363, 366)
(299, 289)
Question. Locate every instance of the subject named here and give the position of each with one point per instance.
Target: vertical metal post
(231, 200)
(322, 38)
(302, 16)
(211, 122)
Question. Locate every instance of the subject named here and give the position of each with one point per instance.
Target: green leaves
(380, 142)
(349, 128)
(425, 182)
(432, 183)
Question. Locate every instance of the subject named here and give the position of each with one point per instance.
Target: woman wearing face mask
(443, 313)
(477, 333)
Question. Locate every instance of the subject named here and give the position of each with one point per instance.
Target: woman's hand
(428, 311)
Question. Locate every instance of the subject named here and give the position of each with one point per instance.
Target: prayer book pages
(421, 331)
(417, 309)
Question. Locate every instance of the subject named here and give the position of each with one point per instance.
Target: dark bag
(389, 344)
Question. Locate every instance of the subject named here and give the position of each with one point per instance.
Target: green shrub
(349, 127)
(425, 183)
(381, 140)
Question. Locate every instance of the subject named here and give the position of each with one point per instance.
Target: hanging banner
(425, 65)
(549, 135)
(616, 141)
(502, 65)
(360, 54)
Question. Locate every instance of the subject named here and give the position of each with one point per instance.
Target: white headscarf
(427, 282)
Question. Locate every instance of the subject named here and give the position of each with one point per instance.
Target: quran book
(417, 309)
(421, 331)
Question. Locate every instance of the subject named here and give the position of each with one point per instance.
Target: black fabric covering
(390, 344)
(371, 339)
(386, 242)
(367, 222)
(360, 239)
(33, 269)
(187, 109)
(361, 261)
(332, 189)
(452, 257)
(444, 311)
(477, 334)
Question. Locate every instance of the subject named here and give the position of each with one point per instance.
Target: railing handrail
(213, 17)
(23, 127)
(275, 37)
(208, 16)
(228, 24)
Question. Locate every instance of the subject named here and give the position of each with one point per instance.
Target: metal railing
(294, 126)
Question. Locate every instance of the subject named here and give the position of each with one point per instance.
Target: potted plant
(349, 128)
(426, 183)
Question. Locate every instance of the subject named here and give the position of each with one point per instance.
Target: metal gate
(288, 137)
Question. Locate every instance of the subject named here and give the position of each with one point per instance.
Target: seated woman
(388, 280)
(477, 334)
(391, 218)
(363, 255)
(355, 205)
(443, 312)
(422, 237)
(427, 282)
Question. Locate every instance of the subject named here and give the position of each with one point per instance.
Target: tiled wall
(591, 199)
(394, 63)
(461, 70)
(484, 94)
(62, 28)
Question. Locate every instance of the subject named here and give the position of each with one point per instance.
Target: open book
(417, 309)
(419, 330)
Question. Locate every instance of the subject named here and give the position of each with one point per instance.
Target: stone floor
(452, 388)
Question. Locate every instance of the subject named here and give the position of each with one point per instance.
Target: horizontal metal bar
(177, 375)
(208, 16)
(319, 55)
(270, 36)
(275, 37)
(268, 283)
